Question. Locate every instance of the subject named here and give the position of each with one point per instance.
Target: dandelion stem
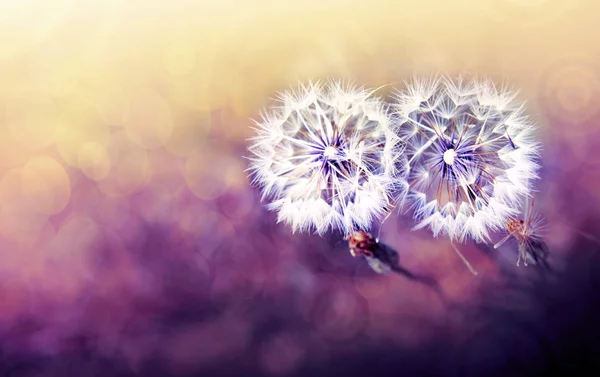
(465, 261)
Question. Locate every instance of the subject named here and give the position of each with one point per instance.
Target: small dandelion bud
(328, 158)
(470, 152)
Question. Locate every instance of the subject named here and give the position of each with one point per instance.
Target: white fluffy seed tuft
(328, 157)
(471, 155)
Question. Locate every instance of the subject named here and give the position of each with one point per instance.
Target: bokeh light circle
(190, 127)
(93, 160)
(80, 123)
(570, 89)
(210, 170)
(338, 314)
(528, 13)
(179, 57)
(27, 26)
(148, 121)
(130, 167)
(56, 183)
(32, 118)
(29, 195)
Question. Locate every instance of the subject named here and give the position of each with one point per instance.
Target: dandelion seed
(327, 157)
(471, 155)
(528, 232)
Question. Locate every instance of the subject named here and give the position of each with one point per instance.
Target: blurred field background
(131, 242)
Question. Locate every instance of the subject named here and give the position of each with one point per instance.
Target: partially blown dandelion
(328, 158)
(471, 155)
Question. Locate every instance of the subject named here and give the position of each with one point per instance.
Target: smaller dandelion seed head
(470, 152)
(328, 157)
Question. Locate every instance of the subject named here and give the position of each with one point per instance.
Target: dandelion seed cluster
(328, 157)
(471, 155)
(461, 154)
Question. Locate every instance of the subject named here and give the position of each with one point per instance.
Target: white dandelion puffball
(327, 157)
(471, 155)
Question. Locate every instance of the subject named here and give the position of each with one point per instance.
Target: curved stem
(465, 261)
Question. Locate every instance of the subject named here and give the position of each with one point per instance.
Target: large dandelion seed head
(328, 158)
(471, 155)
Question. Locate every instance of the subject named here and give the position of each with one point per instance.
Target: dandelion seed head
(471, 155)
(327, 157)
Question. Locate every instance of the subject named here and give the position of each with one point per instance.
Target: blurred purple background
(131, 242)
